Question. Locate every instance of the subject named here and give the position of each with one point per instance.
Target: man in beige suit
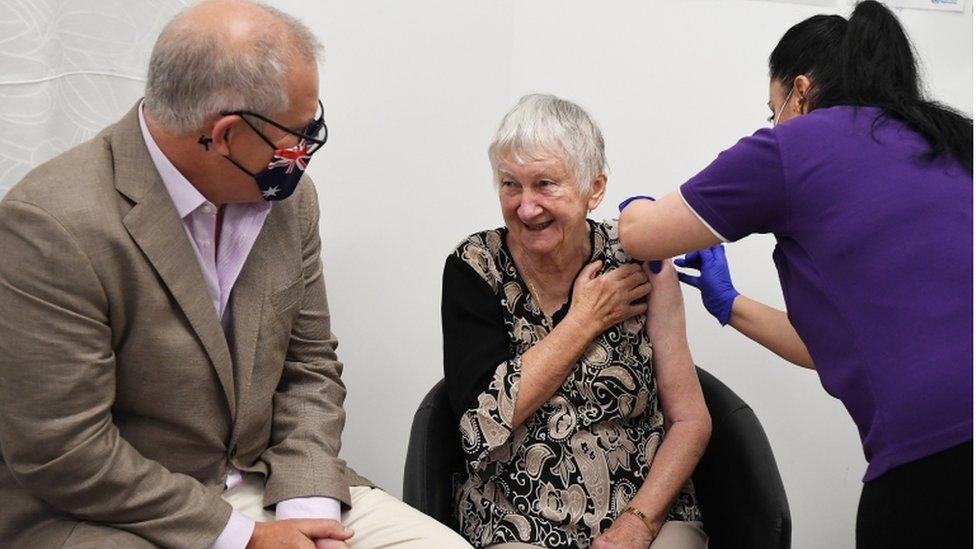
(168, 376)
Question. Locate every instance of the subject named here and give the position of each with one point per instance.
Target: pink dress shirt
(220, 265)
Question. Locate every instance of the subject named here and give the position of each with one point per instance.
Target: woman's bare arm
(688, 425)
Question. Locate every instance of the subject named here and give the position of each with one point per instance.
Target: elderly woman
(574, 433)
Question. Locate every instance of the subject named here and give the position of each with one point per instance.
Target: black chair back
(434, 458)
(737, 482)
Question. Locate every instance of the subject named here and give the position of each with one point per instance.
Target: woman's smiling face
(542, 204)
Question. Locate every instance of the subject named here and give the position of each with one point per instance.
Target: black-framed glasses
(315, 134)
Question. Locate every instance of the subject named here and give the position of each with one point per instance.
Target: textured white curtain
(67, 69)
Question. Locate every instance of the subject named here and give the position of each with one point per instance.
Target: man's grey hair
(542, 126)
(194, 75)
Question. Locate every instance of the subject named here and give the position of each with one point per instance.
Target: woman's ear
(802, 85)
(598, 187)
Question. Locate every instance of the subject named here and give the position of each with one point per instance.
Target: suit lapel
(261, 273)
(156, 228)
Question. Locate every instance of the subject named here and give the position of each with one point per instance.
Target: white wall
(413, 91)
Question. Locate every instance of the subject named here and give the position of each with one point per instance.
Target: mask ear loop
(234, 162)
(261, 135)
(783, 108)
(242, 168)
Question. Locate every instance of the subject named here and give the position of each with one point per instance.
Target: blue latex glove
(655, 266)
(715, 282)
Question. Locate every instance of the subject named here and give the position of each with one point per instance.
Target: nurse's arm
(662, 229)
(770, 328)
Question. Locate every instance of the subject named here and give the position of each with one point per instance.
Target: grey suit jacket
(122, 403)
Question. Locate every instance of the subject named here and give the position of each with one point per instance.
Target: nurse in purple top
(868, 188)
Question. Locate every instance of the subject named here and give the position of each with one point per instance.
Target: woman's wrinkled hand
(626, 532)
(600, 301)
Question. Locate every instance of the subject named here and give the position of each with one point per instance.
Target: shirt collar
(185, 196)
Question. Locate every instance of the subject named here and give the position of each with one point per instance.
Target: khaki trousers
(378, 519)
(673, 535)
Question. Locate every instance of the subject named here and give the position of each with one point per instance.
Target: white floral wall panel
(68, 68)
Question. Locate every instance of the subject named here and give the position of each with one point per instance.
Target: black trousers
(922, 504)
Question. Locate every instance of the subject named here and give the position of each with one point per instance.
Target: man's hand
(626, 532)
(297, 533)
(330, 544)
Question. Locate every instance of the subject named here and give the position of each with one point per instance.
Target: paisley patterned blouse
(562, 477)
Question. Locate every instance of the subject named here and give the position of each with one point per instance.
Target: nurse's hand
(715, 282)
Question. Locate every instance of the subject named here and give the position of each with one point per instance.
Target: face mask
(281, 177)
(781, 109)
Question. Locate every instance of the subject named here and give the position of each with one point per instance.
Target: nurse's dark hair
(869, 61)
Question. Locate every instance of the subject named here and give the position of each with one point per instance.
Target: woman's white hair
(194, 73)
(541, 126)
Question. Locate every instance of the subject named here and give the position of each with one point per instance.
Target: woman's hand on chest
(600, 301)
